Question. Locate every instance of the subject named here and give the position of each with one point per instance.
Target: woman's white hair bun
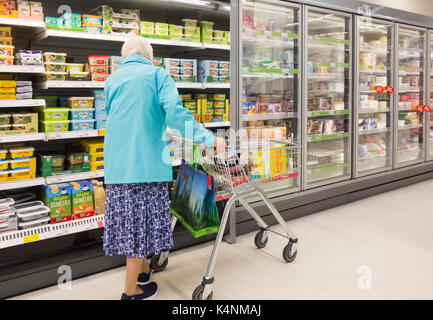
(138, 45)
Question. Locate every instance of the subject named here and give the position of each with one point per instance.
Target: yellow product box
(6, 60)
(20, 164)
(97, 165)
(7, 90)
(21, 153)
(97, 157)
(6, 76)
(7, 50)
(4, 175)
(5, 32)
(20, 174)
(9, 14)
(3, 154)
(6, 41)
(93, 146)
(8, 84)
(7, 97)
(4, 165)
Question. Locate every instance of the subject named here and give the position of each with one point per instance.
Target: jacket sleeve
(107, 104)
(178, 118)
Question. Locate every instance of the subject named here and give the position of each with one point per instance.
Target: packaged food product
(95, 157)
(82, 199)
(116, 60)
(4, 175)
(55, 67)
(99, 69)
(5, 32)
(57, 197)
(23, 8)
(33, 223)
(58, 160)
(218, 111)
(54, 114)
(31, 211)
(6, 60)
(54, 126)
(101, 125)
(6, 41)
(81, 114)
(55, 76)
(5, 118)
(206, 24)
(74, 67)
(97, 165)
(217, 97)
(29, 57)
(91, 19)
(171, 62)
(92, 29)
(5, 127)
(93, 146)
(100, 77)
(21, 118)
(99, 95)
(20, 164)
(7, 96)
(78, 76)
(53, 21)
(4, 165)
(18, 127)
(72, 23)
(161, 26)
(190, 104)
(187, 71)
(77, 125)
(22, 89)
(55, 57)
(189, 22)
(3, 153)
(21, 153)
(81, 102)
(72, 16)
(36, 11)
(114, 68)
(99, 60)
(7, 50)
(8, 83)
(100, 115)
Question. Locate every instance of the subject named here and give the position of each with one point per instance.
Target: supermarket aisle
(385, 236)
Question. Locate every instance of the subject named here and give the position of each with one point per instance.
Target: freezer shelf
(328, 114)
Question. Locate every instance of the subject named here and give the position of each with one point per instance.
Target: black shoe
(144, 278)
(149, 293)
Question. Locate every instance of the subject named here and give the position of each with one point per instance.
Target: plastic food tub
(99, 60)
(57, 160)
(218, 111)
(100, 77)
(3, 153)
(31, 211)
(217, 97)
(29, 57)
(60, 76)
(72, 23)
(19, 173)
(34, 223)
(54, 126)
(93, 147)
(4, 165)
(6, 60)
(18, 127)
(20, 164)
(82, 113)
(5, 127)
(81, 102)
(55, 57)
(96, 157)
(7, 50)
(7, 41)
(4, 175)
(90, 19)
(99, 69)
(206, 24)
(76, 158)
(22, 118)
(54, 21)
(5, 118)
(72, 16)
(92, 28)
(21, 153)
(78, 76)
(78, 125)
(55, 67)
(54, 114)
(219, 104)
(98, 165)
(115, 60)
(74, 67)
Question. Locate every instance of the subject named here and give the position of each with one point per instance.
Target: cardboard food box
(57, 198)
(82, 199)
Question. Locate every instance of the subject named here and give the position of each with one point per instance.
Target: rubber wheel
(198, 293)
(258, 240)
(155, 265)
(286, 253)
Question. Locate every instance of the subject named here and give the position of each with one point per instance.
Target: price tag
(420, 109)
(370, 67)
(101, 132)
(389, 89)
(100, 224)
(382, 68)
(427, 109)
(32, 238)
(379, 89)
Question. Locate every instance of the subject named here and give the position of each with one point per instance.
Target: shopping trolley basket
(239, 171)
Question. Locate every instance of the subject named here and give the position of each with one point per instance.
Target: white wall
(424, 7)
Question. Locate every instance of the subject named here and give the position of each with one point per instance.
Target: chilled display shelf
(22, 137)
(329, 64)
(323, 93)
(270, 75)
(22, 183)
(325, 168)
(217, 124)
(373, 49)
(328, 113)
(189, 85)
(30, 27)
(269, 116)
(410, 126)
(74, 134)
(326, 136)
(216, 85)
(373, 131)
(22, 103)
(410, 90)
(38, 69)
(362, 111)
(326, 76)
(374, 71)
(15, 238)
(100, 84)
(412, 73)
(74, 177)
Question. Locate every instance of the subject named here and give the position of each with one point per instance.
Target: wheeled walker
(239, 171)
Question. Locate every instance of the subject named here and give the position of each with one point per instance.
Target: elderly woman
(141, 102)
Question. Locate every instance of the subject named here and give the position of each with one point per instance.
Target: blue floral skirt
(137, 219)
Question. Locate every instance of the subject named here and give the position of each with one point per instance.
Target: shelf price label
(381, 89)
(32, 238)
(422, 109)
(389, 89)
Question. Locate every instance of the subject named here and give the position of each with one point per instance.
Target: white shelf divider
(22, 137)
(15, 238)
(74, 177)
(38, 69)
(70, 84)
(71, 134)
(22, 183)
(22, 103)
(216, 85)
(217, 124)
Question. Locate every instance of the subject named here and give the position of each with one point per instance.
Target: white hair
(138, 45)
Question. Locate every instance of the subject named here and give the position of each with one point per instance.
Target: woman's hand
(219, 145)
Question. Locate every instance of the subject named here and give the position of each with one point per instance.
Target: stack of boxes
(115, 62)
(124, 21)
(156, 30)
(17, 164)
(7, 87)
(95, 148)
(99, 67)
(213, 71)
(68, 21)
(190, 30)
(60, 164)
(55, 66)
(32, 214)
(182, 70)
(100, 113)
(92, 24)
(18, 123)
(24, 90)
(30, 10)
(205, 107)
(8, 220)
(210, 35)
(6, 47)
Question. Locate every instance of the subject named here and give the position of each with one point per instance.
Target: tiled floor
(376, 248)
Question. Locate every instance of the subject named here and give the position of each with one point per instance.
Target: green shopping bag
(193, 201)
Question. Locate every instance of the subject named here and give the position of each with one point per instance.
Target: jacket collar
(136, 58)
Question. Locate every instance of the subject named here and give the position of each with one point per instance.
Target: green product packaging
(57, 198)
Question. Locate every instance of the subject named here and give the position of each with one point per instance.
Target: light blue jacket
(141, 101)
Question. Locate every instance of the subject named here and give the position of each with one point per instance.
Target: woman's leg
(145, 267)
(133, 268)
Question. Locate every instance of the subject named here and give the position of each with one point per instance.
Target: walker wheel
(259, 241)
(198, 293)
(155, 265)
(288, 255)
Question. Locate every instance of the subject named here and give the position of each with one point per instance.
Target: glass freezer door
(430, 96)
(270, 81)
(410, 53)
(375, 97)
(328, 97)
